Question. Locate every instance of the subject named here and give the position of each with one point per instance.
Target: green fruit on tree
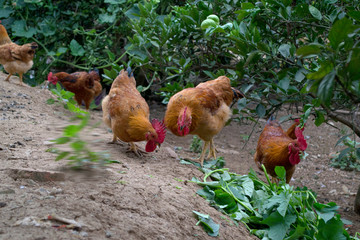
(208, 23)
(214, 18)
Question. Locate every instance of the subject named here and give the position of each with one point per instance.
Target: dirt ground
(141, 198)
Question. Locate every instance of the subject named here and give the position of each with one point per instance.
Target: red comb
(300, 138)
(160, 129)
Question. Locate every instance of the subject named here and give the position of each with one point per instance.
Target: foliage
(195, 145)
(268, 210)
(81, 34)
(80, 155)
(278, 52)
(348, 158)
(64, 97)
(208, 224)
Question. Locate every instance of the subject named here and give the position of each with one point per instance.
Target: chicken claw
(135, 149)
(115, 140)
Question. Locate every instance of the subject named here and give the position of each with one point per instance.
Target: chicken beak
(158, 145)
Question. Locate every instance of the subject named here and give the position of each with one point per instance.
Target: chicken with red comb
(276, 148)
(126, 112)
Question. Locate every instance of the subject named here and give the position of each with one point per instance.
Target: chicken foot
(135, 149)
(8, 77)
(115, 140)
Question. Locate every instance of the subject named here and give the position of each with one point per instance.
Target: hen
(86, 86)
(202, 111)
(15, 58)
(126, 112)
(276, 148)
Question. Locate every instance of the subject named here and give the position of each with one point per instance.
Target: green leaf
(225, 201)
(260, 110)
(62, 140)
(354, 63)
(278, 224)
(284, 83)
(311, 49)
(298, 234)
(78, 145)
(71, 130)
(76, 48)
(210, 227)
(354, 14)
(326, 211)
(300, 75)
(61, 50)
(315, 12)
(320, 118)
(341, 139)
(326, 88)
(247, 5)
(284, 50)
(107, 18)
(115, 1)
(280, 172)
(326, 68)
(206, 193)
(339, 31)
(331, 230)
(5, 12)
(50, 101)
(20, 29)
(62, 156)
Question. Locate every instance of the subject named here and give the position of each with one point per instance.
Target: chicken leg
(135, 149)
(21, 79)
(8, 77)
(202, 156)
(212, 150)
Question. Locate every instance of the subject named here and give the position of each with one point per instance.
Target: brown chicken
(126, 112)
(276, 148)
(15, 58)
(86, 86)
(202, 111)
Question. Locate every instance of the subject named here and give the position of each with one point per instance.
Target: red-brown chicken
(15, 58)
(202, 111)
(276, 148)
(126, 112)
(85, 85)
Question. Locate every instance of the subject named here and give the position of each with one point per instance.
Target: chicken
(291, 130)
(86, 86)
(202, 111)
(276, 148)
(126, 112)
(15, 58)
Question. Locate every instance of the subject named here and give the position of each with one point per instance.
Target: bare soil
(145, 197)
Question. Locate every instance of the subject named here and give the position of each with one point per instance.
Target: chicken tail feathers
(237, 94)
(130, 74)
(271, 118)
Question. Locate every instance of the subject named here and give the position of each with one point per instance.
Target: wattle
(294, 158)
(150, 146)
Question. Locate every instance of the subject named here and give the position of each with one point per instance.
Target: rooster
(15, 58)
(85, 85)
(202, 111)
(126, 112)
(277, 148)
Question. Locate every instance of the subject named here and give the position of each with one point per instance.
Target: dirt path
(141, 198)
